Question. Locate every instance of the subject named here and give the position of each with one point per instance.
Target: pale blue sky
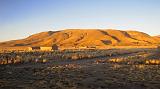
(21, 18)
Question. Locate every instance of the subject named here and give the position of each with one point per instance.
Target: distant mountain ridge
(85, 37)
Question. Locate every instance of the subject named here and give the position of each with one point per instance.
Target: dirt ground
(96, 73)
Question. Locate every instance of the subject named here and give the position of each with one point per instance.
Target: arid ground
(101, 69)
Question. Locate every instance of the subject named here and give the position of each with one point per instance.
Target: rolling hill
(85, 37)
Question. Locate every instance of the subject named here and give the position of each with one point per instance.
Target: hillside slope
(85, 37)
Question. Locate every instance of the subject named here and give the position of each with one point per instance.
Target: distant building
(82, 47)
(38, 48)
(54, 47)
(91, 47)
(46, 48)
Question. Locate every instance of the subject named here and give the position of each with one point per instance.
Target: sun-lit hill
(142, 37)
(85, 37)
(157, 38)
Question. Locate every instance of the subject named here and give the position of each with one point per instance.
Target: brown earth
(95, 73)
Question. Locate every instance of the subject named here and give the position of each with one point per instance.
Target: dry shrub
(152, 62)
(100, 61)
(116, 60)
(75, 57)
(44, 60)
(141, 66)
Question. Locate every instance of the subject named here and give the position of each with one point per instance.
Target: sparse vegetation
(81, 69)
(44, 56)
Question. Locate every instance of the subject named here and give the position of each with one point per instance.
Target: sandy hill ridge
(85, 37)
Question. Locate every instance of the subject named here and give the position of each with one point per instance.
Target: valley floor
(123, 71)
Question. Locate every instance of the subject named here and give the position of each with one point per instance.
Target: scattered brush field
(81, 69)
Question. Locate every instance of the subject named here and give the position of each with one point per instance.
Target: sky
(21, 18)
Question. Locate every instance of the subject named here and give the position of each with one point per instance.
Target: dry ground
(129, 71)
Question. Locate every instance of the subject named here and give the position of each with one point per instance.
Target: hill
(85, 37)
